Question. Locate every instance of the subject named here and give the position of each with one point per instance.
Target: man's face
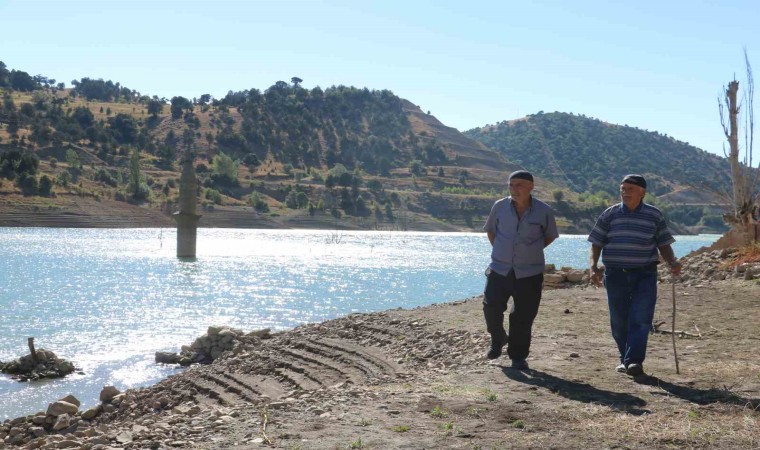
(631, 194)
(520, 189)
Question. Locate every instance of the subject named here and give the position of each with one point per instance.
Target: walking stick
(673, 325)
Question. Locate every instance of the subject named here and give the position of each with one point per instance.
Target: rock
(124, 437)
(73, 400)
(116, 401)
(262, 334)
(91, 413)
(60, 408)
(554, 278)
(167, 358)
(63, 421)
(575, 276)
(549, 268)
(108, 393)
(188, 410)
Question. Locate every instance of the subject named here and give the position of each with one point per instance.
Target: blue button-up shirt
(519, 242)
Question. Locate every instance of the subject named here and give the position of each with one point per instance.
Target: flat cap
(522, 175)
(638, 180)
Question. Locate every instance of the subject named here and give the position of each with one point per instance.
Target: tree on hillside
(22, 81)
(137, 189)
(743, 178)
(224, 170)
(179, 105)
(4, 75)
(296, 81)
(155, 106)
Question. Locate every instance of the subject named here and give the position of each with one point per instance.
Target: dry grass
(745, 255)
(748, 254)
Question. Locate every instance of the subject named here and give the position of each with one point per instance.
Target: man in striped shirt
(628, 236)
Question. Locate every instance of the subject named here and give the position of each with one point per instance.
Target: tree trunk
(742, 197)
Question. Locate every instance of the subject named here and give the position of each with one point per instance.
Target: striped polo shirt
(630, 238)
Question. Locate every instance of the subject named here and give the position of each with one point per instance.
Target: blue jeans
(631, 295)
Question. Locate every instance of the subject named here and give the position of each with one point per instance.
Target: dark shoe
(494, 351)
(520, 364)
(634, 369)
(620, 368)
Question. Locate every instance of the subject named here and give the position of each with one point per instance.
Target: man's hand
(675, 268)
(596, 276)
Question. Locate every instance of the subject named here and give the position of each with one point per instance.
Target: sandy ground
(418, 379)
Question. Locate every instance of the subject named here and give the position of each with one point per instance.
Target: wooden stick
(673, 325)
(32, 351)
(680, 333)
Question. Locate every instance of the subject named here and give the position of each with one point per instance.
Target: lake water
(109, 299)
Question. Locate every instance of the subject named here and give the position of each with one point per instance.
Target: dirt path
(418, 379)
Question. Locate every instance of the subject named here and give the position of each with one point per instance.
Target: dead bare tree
(743, 177)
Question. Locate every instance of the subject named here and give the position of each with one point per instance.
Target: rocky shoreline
(417, 379)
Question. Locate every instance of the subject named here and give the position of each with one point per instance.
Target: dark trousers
(526, 296)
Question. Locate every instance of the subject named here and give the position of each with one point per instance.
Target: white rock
(63, 421)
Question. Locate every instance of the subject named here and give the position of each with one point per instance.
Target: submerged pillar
(187, 217)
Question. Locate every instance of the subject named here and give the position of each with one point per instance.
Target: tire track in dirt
(271, 370)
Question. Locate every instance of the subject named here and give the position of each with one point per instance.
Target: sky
(655, 65)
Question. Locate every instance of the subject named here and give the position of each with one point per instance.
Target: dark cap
(638, 180)
(522, 175)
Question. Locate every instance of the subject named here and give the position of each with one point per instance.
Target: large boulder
(60, 408)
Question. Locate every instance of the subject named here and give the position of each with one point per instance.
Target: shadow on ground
(580, 392)
(700, 396)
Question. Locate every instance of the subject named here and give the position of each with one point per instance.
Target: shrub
(257, 202)
(106, 177)
(28, 184)
(213, 195)
(46, 186)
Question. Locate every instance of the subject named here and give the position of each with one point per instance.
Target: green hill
(101, 154)
(282, 157)
(590, 157)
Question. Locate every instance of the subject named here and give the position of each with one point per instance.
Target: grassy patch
(439, 412)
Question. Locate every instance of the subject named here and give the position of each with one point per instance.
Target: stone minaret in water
(187, 217)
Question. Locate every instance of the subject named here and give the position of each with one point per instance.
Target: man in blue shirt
(519, 228)
(628, 236)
